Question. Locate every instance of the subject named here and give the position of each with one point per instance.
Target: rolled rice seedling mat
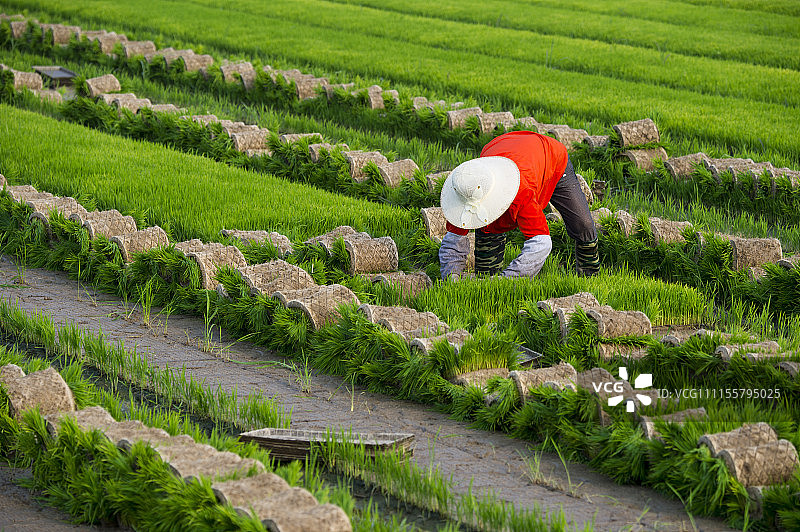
(108, 41)
(643, 159)
(241, 493)
(330, 89)
(49, 95)
(626, 222)
(683, 167)
(106, 223)
(790, 263)
(210, 259)
(581, 299)
(435, 223)
(393, 173)
(190, 460)
(357, 160)
(752, 169)
(375, 313)
(457, 118)
(455, 338)
(239, 72)
(553, 217)
(166, 108)
(648, 423)
(599, 214)
(565, 314)
(230, 127)
(21, 193)
(308, 88)
(756, 273)
(134, 48)
(61, 34)
(668, 231)
(479, 377)
(397, 319)
(102, 85)
(770, 463)
(315, 150)
(615, 323)
(274, 276)
(248, 140)
(281, 242)
(202, 119)
(568, 136)
(42, 207)
(637, 133)
(747, 252)
(410, 284)
(169, 54)
(44, 390)
(18, 28)
(748, 435)
(132, 105)
(374, 96)
(135, 242)
(434, 179)
(89, 418)
(792, 175)
(258, 152)
(610, 351)
(766, 349)
(596, 141)
(126, 434)
(344, 232)
(719, 166)
(196, 62)
(587, 190)
(490, 121)
(528, 123)
(193, 245)
(26, 80)
(3, 181)
(318, 303)
(562, 374)
(109, 98)
(290, 138)
(792, 368)
(601, 383)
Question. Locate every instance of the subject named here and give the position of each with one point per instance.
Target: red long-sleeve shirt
(541, 161)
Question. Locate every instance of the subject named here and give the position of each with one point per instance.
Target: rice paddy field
(271, 170)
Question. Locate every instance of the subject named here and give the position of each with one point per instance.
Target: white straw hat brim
(499, 175)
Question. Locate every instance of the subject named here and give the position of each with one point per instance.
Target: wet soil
(480, 459)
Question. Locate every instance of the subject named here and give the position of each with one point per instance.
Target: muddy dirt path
(491, 461)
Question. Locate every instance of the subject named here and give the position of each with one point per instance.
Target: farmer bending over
(508, 186)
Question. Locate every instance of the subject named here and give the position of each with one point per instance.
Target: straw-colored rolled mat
(792, 368)
(490, 121)
(668, 231)
(643, 159)
(65, 206)
(357, 160)
(135, 242)
(274, 276)
(169, 55)
(747, 252)
(330, 89)
(756, 273)
(44, 389)
(581, 299)
(553, 217)
(18, 28)
(601, 383)
(567, 135)
(195, 244)
(435, 222)
(770, 463)
(792, 175)
(565, 314)
(599, 214)
(752, 169)
(626, 221)
(318, 303)
(527, 123)
(134, 48)
(684, 166)
(166, 108)
(247, 140)
(203, 119)
(230, 127)
(102, 85)
(290, 138)
(434, 179)
(61, 34)
(479, 377)
(133, 105)
(126, 434)
(194, 62)
(587, 190)
(27, 80)
(190, 460)
(239, 72)
(610, 351)
(393, 173)
(648, 424)
(375, 313)
(404, 319)
(562, 374)
(109, 98)
(457, 118)
(375, 97)
(283, 515)
(637, 133)
(766, 349)
(748, 435)
(49, 95)
(455, 338)
(106, 223)
(108, 41)
(3, 181)
(791, 262)
(279, 241)
(596, 141)
(345, 232)
(241, 493)
(21, 193)
(717, 167)
(410, 284)
(210, 259)
(309, 88)
(89, 418)
(615, 323)
(315, 150)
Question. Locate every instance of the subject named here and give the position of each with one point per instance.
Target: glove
(531, 259)
(453, 254)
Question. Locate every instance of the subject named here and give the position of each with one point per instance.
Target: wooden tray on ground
(57, 75)
(528, 357)
(293, 444)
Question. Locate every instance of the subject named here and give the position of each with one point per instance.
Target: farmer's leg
(489, 251)
(571, 202)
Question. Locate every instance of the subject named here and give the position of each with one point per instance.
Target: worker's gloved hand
(531, 259)
(587, 258)
(453, 254)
